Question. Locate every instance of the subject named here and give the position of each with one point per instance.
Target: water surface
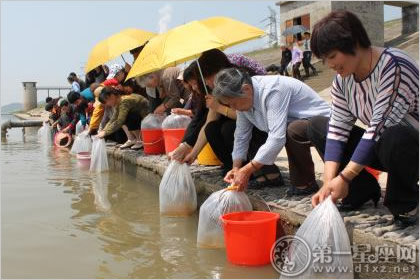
(61, 221)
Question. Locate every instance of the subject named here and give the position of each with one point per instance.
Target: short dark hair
(306, 32)
(212, 61)
(190, 73)
(72, 96)
(49, 107)
(48, 99)
(107, 92)
(339, 30)
(133, 85)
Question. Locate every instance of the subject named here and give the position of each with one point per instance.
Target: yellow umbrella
(116, 45)
(188, 41)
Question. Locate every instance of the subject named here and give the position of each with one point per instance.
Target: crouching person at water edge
(129, 110)
(280, 106)
(379, 87)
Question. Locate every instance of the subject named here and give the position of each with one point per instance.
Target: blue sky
(43, 41)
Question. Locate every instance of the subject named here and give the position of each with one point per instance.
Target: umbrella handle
(123, 59)
(202, 77)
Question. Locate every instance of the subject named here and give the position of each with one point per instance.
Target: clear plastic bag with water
(82, 143)
(45, 134)
(177, 194)
(99, 158)
(210, 229)
(100, 191)
(153, 121)
(322, 231)
(174, 121)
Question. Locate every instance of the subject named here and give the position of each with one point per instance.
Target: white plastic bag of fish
(45, 134)
(177, 194)
(82, 143)
(322, 232)
(152, 121)
(210, 229)
(99, 158)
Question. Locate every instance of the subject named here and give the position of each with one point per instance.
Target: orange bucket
(249, 236)
(173, 138)
(153, 141)
(374, 172)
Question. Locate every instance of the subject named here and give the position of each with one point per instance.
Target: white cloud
(165, 16)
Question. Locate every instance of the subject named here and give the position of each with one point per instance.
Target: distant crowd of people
(294, 55)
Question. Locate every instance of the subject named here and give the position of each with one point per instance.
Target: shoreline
(369, 225)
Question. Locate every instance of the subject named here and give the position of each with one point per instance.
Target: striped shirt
(278, 100)
(387, 97)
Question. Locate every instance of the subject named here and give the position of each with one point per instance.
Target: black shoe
(362, 189)
(275, 182)
(312, 188)
(406, 220)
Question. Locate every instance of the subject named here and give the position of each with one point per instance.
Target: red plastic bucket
(249, 236)
(153, 142)
(62, 140)
(173, 138)
(374, 172)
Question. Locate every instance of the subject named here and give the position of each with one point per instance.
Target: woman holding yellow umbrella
(127, 40)
(188, 42)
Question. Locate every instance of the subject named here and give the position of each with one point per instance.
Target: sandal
(127, 144)
(310, 189)
(263, 172)
(137, 146)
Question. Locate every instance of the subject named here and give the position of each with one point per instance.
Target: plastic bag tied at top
(210, 229)
(177, 194)
(152, 121)
(174, 121)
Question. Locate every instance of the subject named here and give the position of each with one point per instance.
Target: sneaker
(128, 144)
(137, 146)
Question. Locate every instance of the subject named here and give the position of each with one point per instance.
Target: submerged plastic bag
(176, 121)
(79, 128)
(177, 194)
(100, 191)
(82, 143)
(323, 231)
(99, 158)
(45, 134)
(153, 121)
(210, 230)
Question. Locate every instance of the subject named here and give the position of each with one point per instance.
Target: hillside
(11, 108)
